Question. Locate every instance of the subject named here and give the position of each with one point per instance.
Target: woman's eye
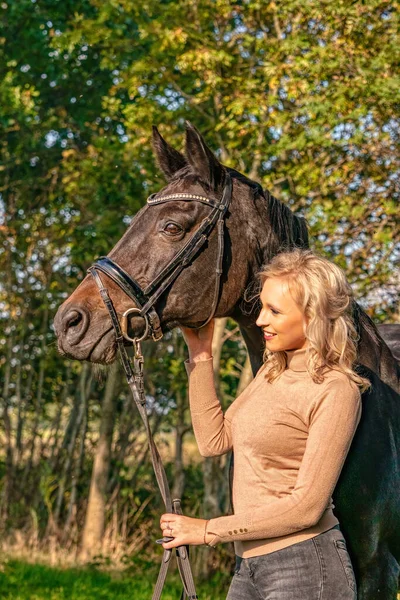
(172, 228)
(274, 311)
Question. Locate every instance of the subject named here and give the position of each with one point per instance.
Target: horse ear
(202, 159)
(168, 159)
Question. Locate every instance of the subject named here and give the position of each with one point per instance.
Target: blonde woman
(290, 431)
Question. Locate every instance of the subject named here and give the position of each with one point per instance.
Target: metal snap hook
(124, 325)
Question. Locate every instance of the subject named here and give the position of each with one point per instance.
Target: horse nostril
(75, 325)
(72, 319)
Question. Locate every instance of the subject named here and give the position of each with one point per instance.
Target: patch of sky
(302, 119)
(171, 99)
(34, 161)
(392, 127)
(161, 407)
(121, 132)
(62, 262)
(275, 132)
(25, 68)
(51, 138)
(355, 184)
(267, 165)
(239, 28)
(343, 131)
(2, 211)
(317, 215)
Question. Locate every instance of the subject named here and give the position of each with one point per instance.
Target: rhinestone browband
(150, 200)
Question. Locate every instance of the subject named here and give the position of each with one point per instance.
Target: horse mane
(287, 229)
(363, 321)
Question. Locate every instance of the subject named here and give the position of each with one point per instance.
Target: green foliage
(300, 96)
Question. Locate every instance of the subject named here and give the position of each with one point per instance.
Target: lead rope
(136, 384)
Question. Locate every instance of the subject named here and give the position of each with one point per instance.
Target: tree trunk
(39, 392)
(86, 379)
(77, 472)
(27, 394)
(96, 508)
(5, 499)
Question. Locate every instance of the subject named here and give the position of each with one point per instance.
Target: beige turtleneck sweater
(290, 439)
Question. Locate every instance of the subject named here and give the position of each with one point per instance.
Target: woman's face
(281, 316)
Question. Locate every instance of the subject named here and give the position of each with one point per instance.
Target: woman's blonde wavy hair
(321, 291)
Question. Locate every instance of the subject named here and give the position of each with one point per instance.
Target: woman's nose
(262, 319)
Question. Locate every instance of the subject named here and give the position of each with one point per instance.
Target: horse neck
(373, 351)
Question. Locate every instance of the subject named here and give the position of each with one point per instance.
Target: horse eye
(172, 228)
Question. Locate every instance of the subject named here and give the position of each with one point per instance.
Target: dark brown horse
(257, 226)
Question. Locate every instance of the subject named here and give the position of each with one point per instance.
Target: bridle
(145, 300)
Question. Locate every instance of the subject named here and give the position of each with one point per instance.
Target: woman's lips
(268, 336)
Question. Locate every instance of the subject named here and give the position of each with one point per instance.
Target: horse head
(159, 233)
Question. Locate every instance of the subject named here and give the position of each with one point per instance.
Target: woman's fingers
(172, 544)
(199, 340)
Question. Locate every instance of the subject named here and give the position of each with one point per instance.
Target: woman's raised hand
(199, 341)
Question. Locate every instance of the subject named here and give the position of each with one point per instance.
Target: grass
(25, 581)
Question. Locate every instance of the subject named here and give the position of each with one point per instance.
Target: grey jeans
(317, 569)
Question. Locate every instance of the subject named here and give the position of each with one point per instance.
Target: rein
(145, 300)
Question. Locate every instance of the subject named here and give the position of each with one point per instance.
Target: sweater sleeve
(333, 421)
(211, 428)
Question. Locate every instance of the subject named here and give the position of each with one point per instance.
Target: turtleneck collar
(296, 359)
